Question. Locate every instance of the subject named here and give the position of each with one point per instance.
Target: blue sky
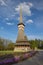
(32, 12)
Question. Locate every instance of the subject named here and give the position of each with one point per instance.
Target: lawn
(6, 52)
(11, 52)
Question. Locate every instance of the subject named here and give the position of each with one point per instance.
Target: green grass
(6, 52)
(11, 52)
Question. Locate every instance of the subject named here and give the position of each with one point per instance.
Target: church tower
(22, 43)
(21, 36)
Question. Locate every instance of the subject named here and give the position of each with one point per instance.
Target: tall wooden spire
(21, 35)
(21, 21)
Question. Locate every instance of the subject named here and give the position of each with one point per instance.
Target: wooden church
(22, 44)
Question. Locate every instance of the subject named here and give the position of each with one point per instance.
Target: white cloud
(3, 3)
(30, 4)
(25, 8)
(10, 23)
(29, 21)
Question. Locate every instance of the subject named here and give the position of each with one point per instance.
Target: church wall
(22, 49)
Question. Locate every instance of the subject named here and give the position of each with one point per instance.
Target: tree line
(11, 45)
(8, 45)
(36, 43)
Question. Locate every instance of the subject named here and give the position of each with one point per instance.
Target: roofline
(21, 24)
